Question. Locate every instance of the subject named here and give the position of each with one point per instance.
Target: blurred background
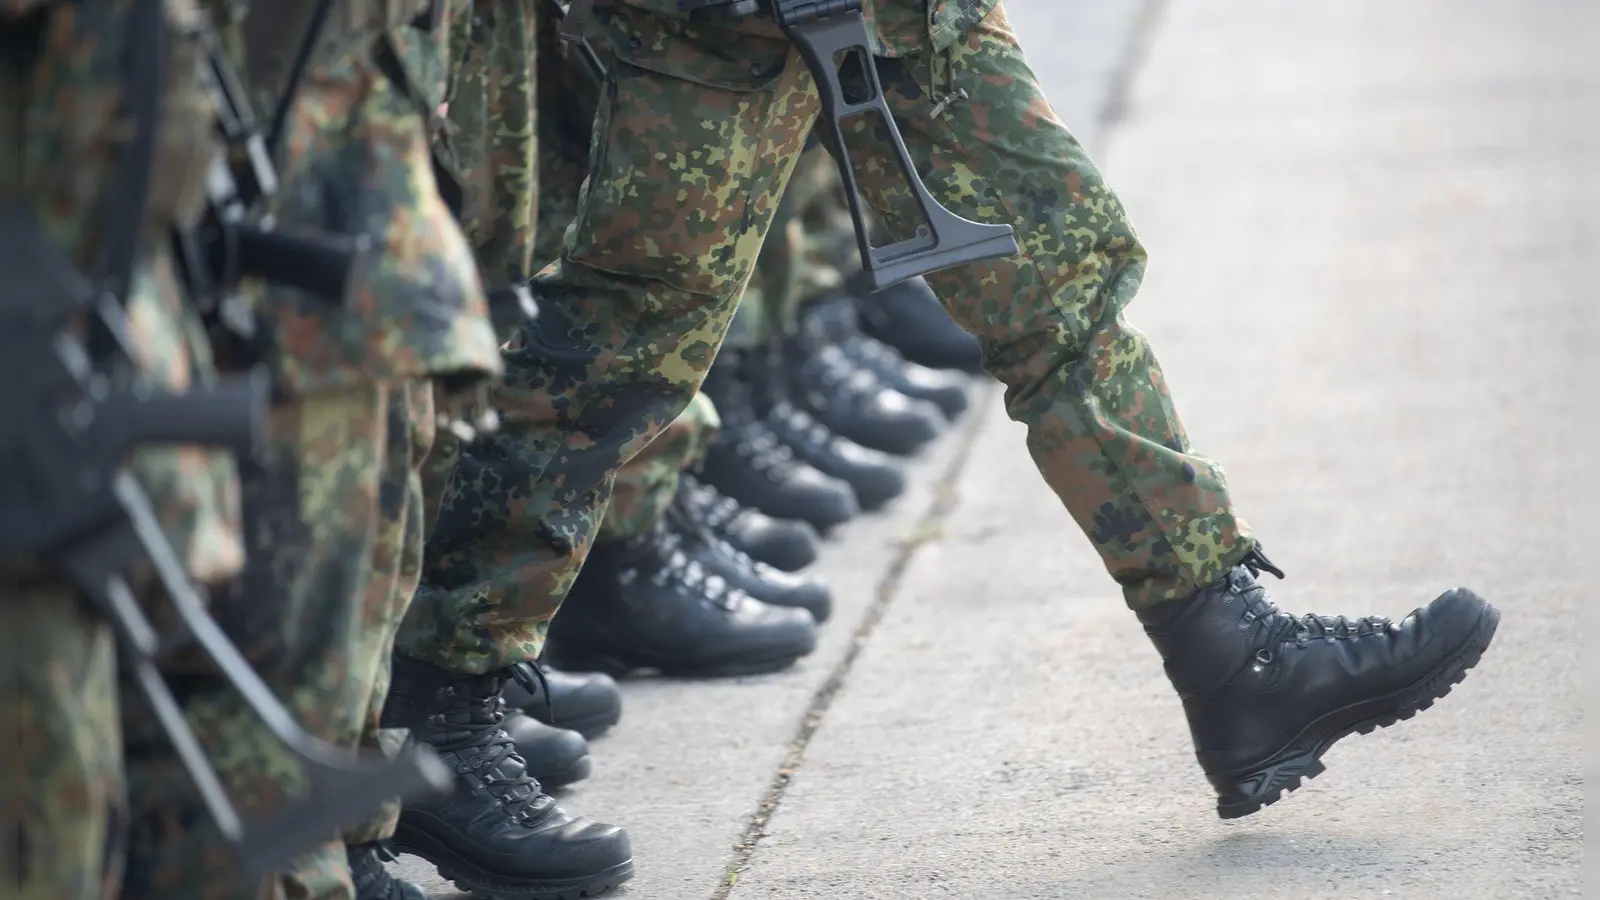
(1374, 231)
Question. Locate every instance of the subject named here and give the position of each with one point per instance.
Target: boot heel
(1239, 797)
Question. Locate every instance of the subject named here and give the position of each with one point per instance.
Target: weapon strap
(297, 72)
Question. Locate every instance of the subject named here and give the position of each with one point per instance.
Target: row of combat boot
(812, 430)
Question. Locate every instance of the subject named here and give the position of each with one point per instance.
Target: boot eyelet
(1264, 657)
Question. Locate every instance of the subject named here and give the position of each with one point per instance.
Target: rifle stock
(833, 33)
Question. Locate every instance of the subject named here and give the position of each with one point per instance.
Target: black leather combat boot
(556, 757)
(787, 544)
(499, 836)
(372, 880)
(874, 476)
(1267, 693)
(852, 401)
(646, 604)
(586, 702)
(838, 319)
(747, 462)
(909, 318)
(742, 573)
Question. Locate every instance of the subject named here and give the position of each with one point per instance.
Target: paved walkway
(1373, 226)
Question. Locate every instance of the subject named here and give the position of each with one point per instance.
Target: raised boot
(645, 603)
(499, 836)
(556, 757)
(1267, 693)
(747, 462)
(372, 879)
(787, 544)
(586, 702)
(909, 318)
(743, 573)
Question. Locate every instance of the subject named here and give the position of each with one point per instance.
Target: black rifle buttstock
(828, 34)
(943, 239)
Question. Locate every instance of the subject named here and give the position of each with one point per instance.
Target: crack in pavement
(945, 499)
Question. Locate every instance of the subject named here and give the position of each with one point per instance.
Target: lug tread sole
(470, 879)
(1268, 784)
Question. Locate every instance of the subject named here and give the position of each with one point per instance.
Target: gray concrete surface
(1374, 237)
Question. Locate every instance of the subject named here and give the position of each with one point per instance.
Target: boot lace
(1284, 628)
(708, 504)
(766, 454)
(486, 755)
(802, 425)
(533, 680)
(674, 541)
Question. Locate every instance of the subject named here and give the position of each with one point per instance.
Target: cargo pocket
(681, 155)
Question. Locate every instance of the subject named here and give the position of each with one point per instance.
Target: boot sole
(1289, 769)
(473, 880)
(619, 668)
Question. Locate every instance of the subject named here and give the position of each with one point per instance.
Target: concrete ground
(1373, 228)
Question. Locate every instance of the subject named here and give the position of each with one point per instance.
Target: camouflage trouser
(646, 484)
(800, 259)
(396, 569)
(63, 801)
(391, 574)
(802, 255)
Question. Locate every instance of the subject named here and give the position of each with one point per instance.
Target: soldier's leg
(500, 833)
(1266, 692)
(395, 566)
(646, 484)
(622, 342)
(1101, 424)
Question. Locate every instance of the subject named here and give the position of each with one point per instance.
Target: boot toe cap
(786, 544)
(813, 596)
(898, 424)
(576, 849)
(779, 630)
(820, 499)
